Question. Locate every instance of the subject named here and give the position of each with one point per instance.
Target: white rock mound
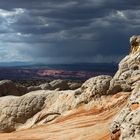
(39, 107)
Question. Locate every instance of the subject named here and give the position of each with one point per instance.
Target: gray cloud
(67, 31)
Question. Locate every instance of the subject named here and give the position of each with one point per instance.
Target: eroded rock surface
(43, 106)
(16, 110)
(8, 87)
(86, 122)
(129, 67)
(127, 121)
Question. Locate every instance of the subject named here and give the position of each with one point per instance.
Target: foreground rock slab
(88, 122)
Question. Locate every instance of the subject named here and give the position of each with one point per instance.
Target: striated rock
(89, 121)
(34, 108)
(42, 106)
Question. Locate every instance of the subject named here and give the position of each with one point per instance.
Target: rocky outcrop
(94, 88)
(129, 67)
(86, 122)
(43, 106)
(59, 84)
(7, 87)
(127, 121)
(134, 42)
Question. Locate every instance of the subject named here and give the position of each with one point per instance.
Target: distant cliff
(63, 71)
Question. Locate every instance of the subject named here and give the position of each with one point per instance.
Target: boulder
(7, 87)
(59, 84)
(34, 108)
(16, 110)
(118, 85)
(97, 85)
(94, 88)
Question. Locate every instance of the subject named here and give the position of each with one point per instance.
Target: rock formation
(43, 106)
(103, 108)
(128, 120)
(7, 87)
(134, 41)
(85, 122)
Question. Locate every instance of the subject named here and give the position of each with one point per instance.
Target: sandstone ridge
(127, 121)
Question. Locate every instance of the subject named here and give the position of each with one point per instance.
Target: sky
(67, 31)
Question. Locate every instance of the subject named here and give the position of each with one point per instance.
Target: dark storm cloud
(58, 31)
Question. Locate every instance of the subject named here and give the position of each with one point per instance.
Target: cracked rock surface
(128, 120)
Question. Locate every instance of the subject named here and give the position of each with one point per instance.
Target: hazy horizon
(32, 63)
